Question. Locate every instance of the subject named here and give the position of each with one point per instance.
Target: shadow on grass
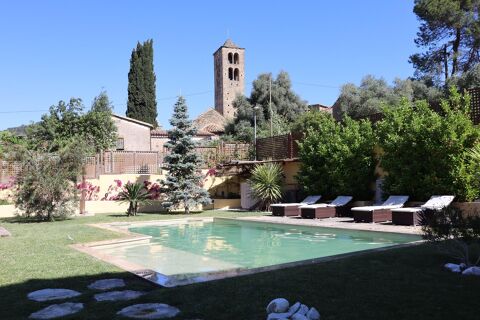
(25, 220)
(15, 305)
(405, 283)
(162, 213)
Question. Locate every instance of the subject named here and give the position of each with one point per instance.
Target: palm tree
(134, 194)
(266, 183)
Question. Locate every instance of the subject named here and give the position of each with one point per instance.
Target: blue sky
(54, 50)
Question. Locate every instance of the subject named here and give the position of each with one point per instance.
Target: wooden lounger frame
(325, 212)
(376, 215)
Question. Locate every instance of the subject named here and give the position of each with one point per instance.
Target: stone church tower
(229, 68)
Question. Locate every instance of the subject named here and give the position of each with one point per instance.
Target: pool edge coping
(166, 281)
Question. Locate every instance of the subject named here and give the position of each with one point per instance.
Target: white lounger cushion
(285, 205)
(434, 203)
(337, 202)
(391, 203)
(306, 201)
(371, 208)
(438, 202)
(410, 209)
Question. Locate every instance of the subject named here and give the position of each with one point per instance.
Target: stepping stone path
(149, 311)
(57, 310)
(107, 284)
(4, 232)
(118, 295)
(137, 311)
(52, 294)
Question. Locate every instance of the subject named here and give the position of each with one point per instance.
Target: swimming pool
(192, 251)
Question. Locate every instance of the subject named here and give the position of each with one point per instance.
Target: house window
(120, 144)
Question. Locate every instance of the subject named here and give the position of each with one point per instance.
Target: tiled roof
(229, 44)
(164, 133)
(133, 120)
(211, 121)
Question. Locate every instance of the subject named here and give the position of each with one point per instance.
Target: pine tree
(142, 104)
(183, 180)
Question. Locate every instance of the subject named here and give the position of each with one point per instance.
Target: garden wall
(104, 181)
(224, 204)
(117, 207)
(7, 211)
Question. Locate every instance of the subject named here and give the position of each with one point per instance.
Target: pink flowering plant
(91, 191)
(113, 191)
(8, 185)
(153, 190)
(6, 190)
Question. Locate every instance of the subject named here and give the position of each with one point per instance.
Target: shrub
(134, 194)
(459, 236)
(474, 155)
(266, 183)
(46, 186)
(91, 191)
(337, 158)
(425, 153)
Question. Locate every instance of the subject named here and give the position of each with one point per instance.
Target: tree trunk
(445, 62)
(187, 209)
(130, 208)
(455, 47)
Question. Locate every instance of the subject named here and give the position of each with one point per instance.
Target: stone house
(133, 135)
(320, 107)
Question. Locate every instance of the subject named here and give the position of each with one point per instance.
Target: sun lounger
(292, 209)
(411, 216)
(378, 213)
(336, 208)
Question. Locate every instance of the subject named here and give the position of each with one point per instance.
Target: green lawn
(406, 283)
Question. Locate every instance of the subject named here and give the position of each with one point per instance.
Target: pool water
(196, 247)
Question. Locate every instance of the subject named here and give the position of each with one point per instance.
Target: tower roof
(229, 44)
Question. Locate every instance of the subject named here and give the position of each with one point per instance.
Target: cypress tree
(183, 180)
(142, 104)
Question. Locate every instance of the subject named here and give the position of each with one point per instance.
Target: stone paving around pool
(137, 311)
(341, 223)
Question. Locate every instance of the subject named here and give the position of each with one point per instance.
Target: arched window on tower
(236, 75)
(230, 57)
(236, 59)
(230, 73)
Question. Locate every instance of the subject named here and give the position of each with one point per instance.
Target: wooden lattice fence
(278, 147)
(223, 152)
(475, 105)
(8, 170)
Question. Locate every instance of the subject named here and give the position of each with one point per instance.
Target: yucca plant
(134, 194)
(474, 153)
(266, 183)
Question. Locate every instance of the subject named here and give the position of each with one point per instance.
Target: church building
(229, 80)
